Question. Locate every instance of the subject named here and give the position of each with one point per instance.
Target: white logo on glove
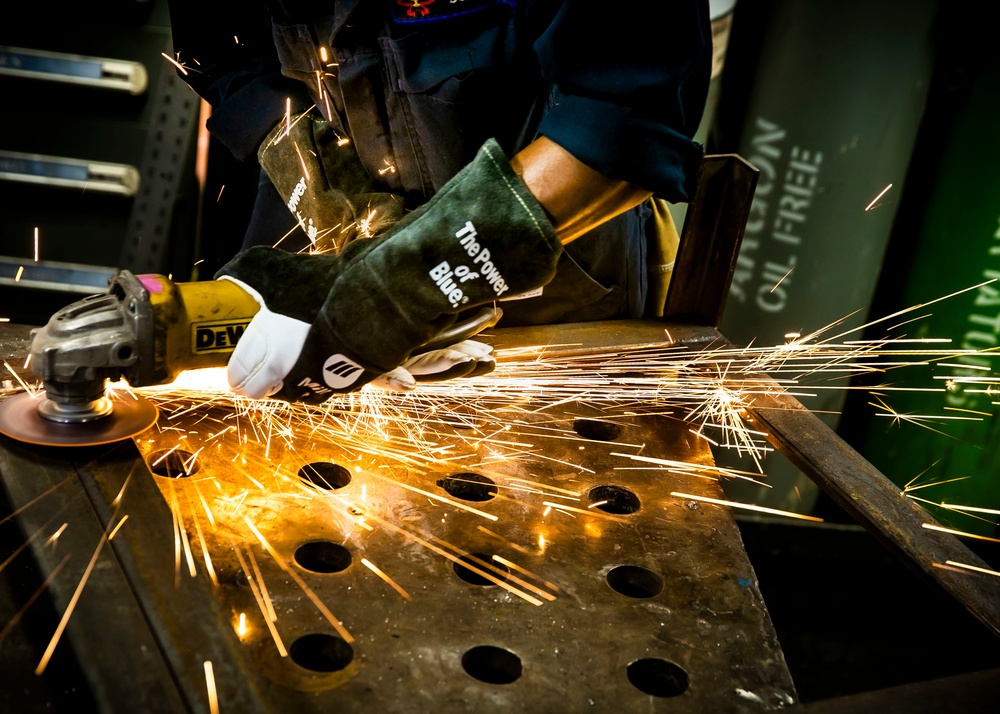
(481, 256)
(340, 371)
(443, 277)
(297, 193)
(312, 387)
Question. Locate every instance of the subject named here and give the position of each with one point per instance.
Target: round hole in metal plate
(493, 665)
(658, 677)
(469, 486)
(613, 499)
(173, 463)
(322, 556)
(321, 653)
(478, 561)
(635, 581)
(325, 474)
(597, 430)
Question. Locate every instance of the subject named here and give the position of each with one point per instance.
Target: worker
(495, 150)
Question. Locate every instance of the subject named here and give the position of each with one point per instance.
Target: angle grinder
(146, 329)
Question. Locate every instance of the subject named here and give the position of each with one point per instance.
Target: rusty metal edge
(710, 241)
(876, 503)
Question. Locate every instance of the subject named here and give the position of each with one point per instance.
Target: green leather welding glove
(482, 237)
(320, 177)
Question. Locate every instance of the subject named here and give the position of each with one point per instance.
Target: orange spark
(747, 506)
(175, 63)
(782, 279)
(392, 583)
(120, 524)
(324, 610)
(213, 695)
(952, 531)
(301, 160)
(31, 600)
(881, 193)
(987, 571)
(43, 663)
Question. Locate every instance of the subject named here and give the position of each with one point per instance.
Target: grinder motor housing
(146, 329)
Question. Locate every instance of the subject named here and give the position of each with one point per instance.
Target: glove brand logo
(340, 371)
(297, 193)
(314, 388)
(467, 239)
(442, 276)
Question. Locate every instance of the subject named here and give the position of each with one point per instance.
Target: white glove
(267, 350)
(462, 359)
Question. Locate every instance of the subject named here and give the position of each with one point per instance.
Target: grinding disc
(19, 419)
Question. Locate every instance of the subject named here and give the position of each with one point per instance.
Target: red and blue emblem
(410, 11)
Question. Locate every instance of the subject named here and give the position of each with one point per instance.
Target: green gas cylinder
(956, 247)
(831, 120)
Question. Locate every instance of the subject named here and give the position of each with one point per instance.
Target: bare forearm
(576, 197)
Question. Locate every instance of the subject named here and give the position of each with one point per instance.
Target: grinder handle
(214, 313)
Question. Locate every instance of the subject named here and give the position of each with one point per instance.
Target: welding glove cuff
(322, 181)
(481, 238)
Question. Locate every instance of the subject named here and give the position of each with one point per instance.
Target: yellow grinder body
(194, 324)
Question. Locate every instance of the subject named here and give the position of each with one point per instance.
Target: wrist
(574, 196)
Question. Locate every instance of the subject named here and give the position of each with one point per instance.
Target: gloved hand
(290, 289)
(467, 358)
(482, 237)
(322, 181)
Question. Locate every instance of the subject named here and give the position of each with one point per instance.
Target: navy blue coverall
(419, 85)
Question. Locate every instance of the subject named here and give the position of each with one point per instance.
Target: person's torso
(419, 85)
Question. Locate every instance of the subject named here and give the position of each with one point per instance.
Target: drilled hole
(613, 499)
(634, 581)
(596, 429)
(322, 556)
(469, 486)
(172, 463)
(325, 474)
(493, 665)
(657, 677)
(479, 560)
(321, 653)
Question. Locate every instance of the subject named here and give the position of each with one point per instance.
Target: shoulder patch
(410, 11)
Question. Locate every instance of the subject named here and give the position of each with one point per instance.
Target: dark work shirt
(418, 85)
(620, 85)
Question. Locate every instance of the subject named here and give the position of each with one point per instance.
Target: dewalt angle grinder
(146, 329)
